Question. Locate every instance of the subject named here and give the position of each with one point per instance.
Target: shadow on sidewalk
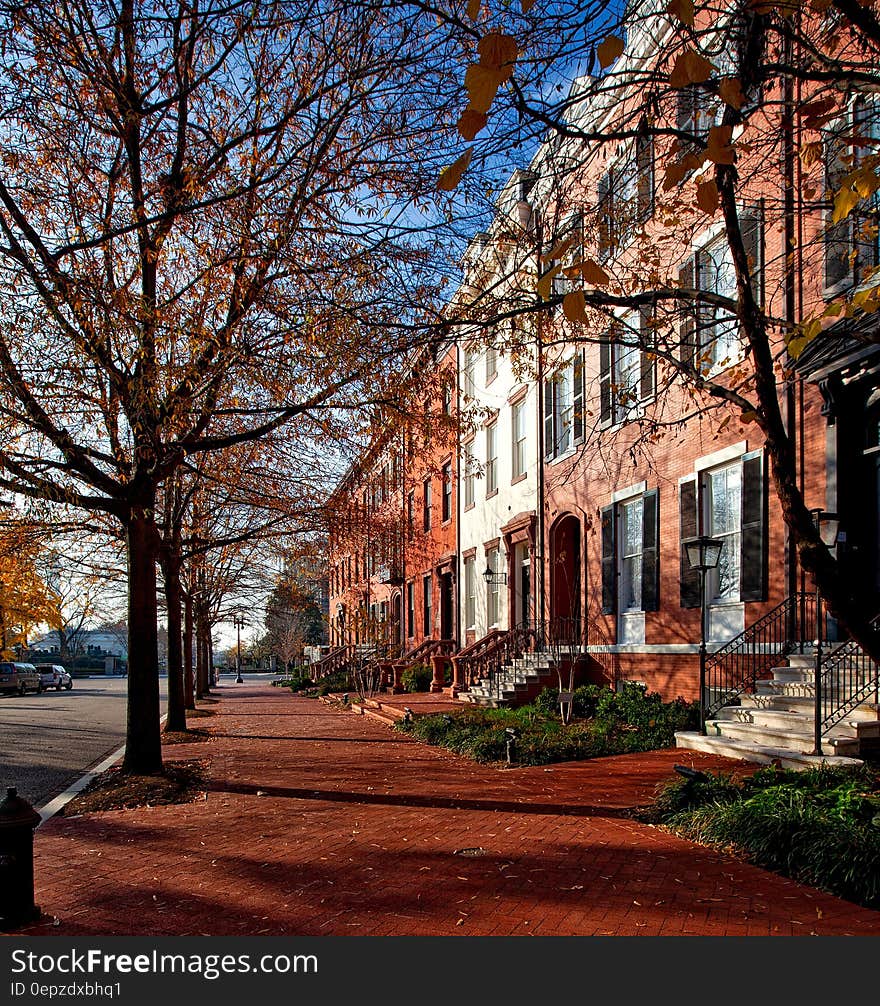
(413, 800)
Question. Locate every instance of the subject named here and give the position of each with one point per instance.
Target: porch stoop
(515, 684)
(775, 724)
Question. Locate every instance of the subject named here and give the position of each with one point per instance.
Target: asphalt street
(48, 741)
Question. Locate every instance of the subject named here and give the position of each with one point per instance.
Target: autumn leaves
(497, 55)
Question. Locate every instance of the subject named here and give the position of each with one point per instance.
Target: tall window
(631, 539)
(468, 463)
(426, 505)
(564, 408)
(411, 514)
(626, 367)
(727, 502)
(426, 604)
(493, 559)
(718, 329)
(723, 503)
(491, 363)
(446, 504)
(470, 592)
(852, 246)
(446, 398)
(518, 435)
(491, 458)
(469, 369)
(625, 196)
(411, 609)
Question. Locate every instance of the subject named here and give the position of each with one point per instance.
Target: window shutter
(605, 218)
(605, 408)
(752, 228)
(689, 528)
(866, 123)
(753, 541)
(549, 438)
(839, 236)
(609, 562)
(578, 396)
(651, 550)
(645, 172)
(648, 363)
(687, 312)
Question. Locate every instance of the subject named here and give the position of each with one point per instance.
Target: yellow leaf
(796, 346)
(864, 181)
(730, 92)
(473, 9)
(707, 196)
(609, 50)
(690, 68)
(833, 309)
(574, 306)
(748, 416)
(545, 283)
(471, 122)
(498, 52)
(674, 174)
(527, 5)
(683, 10)
(844, 203)
(593, 273)
(718, 148)
(560, 248)
(482, 84)
(811, 153)
(450, 176)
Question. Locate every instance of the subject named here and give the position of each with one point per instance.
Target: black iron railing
(737, 666)
(849, 677)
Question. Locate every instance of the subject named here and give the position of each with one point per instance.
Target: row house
(586, 449)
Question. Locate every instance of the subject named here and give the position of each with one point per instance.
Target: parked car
(21, 678)
(54, 676)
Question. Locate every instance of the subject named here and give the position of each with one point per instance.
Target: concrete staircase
(775, 724)
(516, 683)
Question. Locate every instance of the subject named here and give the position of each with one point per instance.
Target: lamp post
(238, 621)
(703, 554)
(827, 525)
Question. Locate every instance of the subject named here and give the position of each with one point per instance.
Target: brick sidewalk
(321, 822)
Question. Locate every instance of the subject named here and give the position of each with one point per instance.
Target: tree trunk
(176, 689)
(201, 678)
(143, 745)
(189, 685)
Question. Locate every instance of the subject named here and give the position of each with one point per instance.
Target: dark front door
(446, 606)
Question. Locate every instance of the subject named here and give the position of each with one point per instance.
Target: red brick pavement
(321, 822)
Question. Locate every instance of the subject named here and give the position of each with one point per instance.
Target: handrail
(331, 662)
(848, 677)
(426, 648)
(735, 667)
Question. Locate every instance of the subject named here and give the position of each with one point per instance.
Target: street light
(827, 524)
(703, 554)
(238, 622)
(492, 578)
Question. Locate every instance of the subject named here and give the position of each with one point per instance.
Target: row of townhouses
(543, 494)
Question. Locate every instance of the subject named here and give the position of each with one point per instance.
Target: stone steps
(516, 684)
(774, 724)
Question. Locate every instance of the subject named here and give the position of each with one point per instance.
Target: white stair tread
(761, 753)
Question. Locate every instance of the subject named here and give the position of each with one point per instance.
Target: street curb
(51, 808)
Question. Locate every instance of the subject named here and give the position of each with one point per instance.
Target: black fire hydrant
(17, 822)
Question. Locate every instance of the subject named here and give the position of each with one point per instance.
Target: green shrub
(417, 678)
(542, 738)
(816, 827)
(297, 684)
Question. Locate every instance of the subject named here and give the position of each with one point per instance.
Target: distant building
(89, 642)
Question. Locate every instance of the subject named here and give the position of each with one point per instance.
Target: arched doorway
(565, 575)
(396, 635)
